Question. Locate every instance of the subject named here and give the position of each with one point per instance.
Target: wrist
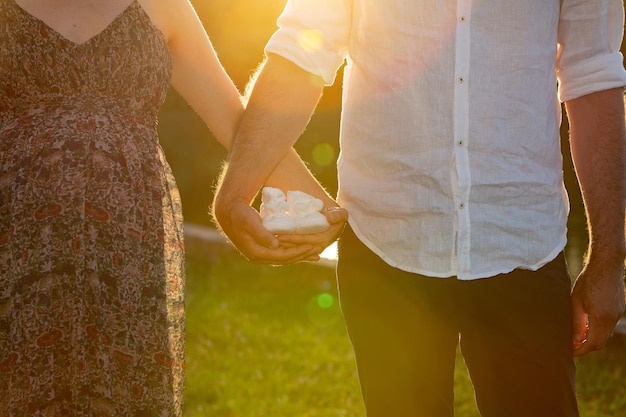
(608, 255)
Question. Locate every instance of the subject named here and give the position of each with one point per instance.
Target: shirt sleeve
(314, 35)
(589, 39)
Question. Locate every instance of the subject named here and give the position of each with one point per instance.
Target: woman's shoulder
(164, 14)
(176, 19)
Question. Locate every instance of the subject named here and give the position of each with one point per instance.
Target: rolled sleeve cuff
(307, 52)
(590, 76)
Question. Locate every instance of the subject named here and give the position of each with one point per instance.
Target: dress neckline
(93, 38)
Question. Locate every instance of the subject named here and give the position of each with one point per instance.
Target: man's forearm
(598, 148)
(280, 106)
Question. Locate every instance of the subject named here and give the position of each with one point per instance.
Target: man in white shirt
(451, 170)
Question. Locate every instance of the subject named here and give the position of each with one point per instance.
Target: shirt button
(461, 80)
(462, 205)
(462, 19)
(460, 143)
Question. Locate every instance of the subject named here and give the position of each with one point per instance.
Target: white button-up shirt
(450, 160)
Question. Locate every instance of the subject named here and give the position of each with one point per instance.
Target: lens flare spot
(310, 40)
(323, 154)
(325, 300)
(323, 309)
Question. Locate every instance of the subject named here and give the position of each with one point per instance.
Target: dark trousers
(514, 330)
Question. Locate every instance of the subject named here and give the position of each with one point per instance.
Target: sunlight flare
(310, 40)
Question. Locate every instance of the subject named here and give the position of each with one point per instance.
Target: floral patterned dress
(91, 249)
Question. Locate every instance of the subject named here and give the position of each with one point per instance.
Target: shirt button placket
(461, 134)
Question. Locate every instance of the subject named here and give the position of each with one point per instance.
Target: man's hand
(597, 305)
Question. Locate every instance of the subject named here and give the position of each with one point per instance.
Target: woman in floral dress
(91, 239)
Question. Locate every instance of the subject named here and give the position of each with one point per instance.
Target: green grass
(270, 341)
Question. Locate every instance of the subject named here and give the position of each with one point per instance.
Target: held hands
(243, 225)
(597, 304)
